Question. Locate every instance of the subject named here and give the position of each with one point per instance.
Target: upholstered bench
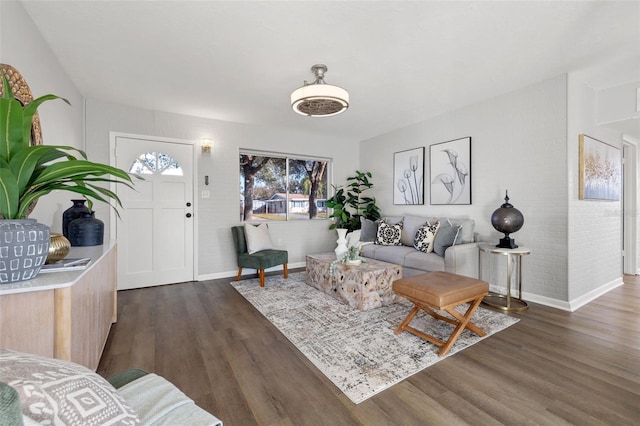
(442, 291)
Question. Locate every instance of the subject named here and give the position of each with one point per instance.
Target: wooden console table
(65, 315)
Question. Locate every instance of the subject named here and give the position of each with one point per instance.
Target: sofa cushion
(425, 236)
(466, 230)
(424, 261)
(445, 238)
(389, 235)
(391, 254)
(53, 391)
(368, 230)
(410, 225)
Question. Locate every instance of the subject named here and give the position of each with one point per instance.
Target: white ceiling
(401, 61)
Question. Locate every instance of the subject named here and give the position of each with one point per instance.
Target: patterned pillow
(53, 391)
(425, 236)
(389, 235)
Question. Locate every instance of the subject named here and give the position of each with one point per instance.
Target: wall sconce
(205, 145)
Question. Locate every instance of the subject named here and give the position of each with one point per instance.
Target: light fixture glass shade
(319, 100)
(205, 145)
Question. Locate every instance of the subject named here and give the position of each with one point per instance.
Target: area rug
(356, 350)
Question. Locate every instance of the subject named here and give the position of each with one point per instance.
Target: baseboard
(570, 306)
(547, 301)
(594, 294)
(232, 274)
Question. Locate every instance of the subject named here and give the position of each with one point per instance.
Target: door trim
(631, 185)
(196, 217)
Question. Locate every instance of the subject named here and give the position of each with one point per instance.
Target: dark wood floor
(553, 367)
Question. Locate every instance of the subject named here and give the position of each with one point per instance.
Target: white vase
(342, 242)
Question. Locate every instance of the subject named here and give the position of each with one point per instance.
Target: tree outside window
(276, 187)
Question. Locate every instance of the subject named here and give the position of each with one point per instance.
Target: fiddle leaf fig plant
(349, 204)
(28, 172)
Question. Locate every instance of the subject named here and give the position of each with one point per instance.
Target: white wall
(595, 227)
(216, 215)
(518, 144)
(22, 47)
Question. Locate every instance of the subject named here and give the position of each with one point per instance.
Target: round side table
(501, 301)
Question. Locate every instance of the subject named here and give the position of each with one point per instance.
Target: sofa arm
(125, 377)
(10, 406)
(462, 259)
(158, 402)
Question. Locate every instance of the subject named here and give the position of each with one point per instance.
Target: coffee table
(365, 286)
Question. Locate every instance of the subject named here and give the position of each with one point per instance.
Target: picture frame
(408, 177)
(600, 170)
(450, 172)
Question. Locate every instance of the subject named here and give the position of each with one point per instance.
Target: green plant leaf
(11, 119)
(29, 111)
(8, 194)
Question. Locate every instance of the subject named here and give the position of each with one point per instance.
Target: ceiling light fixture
(319, 99)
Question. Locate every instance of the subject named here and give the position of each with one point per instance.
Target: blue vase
(72, 213)
(86, 231)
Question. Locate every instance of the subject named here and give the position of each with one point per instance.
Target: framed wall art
(450, 168)
(600, 170)
(408, 177)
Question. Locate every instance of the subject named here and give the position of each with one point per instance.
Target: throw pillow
(53, 391)
(425, 236)
(353, 238)
(389, 235)
(257, 237)
(368, 230)
(446, 237)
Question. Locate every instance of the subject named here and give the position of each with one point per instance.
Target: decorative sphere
(507, 220)
(59, 247)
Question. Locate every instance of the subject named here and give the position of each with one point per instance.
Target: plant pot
(24, 247)
(342, 242)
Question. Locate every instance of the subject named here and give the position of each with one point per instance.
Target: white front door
(155, 229)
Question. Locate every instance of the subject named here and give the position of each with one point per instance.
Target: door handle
(188, 214)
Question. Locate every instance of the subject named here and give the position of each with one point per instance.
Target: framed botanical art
(600, 170)
(408, 176)
(450, 168)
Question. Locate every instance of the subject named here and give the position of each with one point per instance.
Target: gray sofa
(460, 258)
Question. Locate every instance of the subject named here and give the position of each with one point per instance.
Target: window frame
(287, 157)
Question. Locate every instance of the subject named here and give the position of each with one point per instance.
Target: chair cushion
(258, 237)
(263, 259)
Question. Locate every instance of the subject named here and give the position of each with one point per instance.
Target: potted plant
(28, 172)
(349, 204)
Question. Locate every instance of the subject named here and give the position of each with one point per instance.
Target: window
(155, 163)
(281, 187)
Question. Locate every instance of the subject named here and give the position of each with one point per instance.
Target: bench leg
(463, 322)
(261, 274)
(286, 270)
(239, 274)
